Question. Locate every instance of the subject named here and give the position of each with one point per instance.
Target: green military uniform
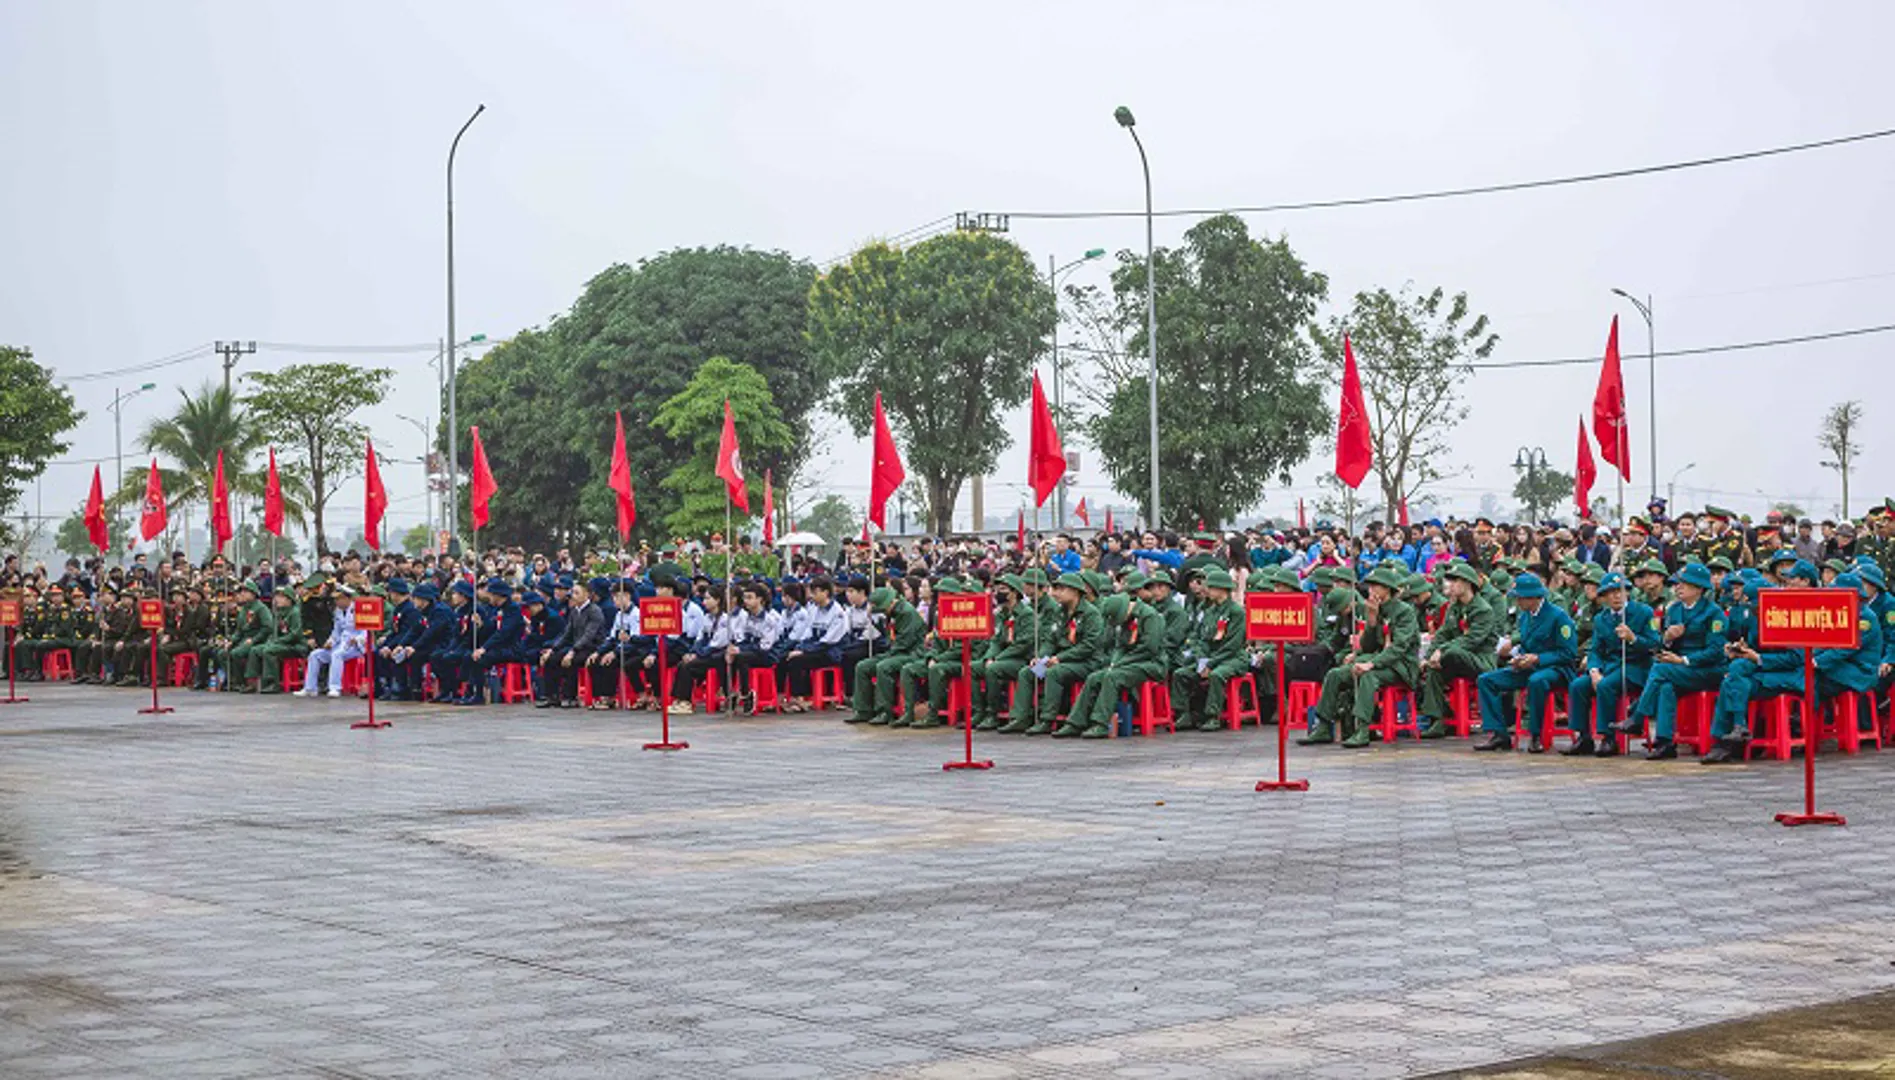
(265, 662)
(1211, 659)
(1009, 651)
(1730, 545)
(1462, 648)
(28, 640)
(254, 626)
(1341, 604)
(1390, 643)
(1073, 649)
(1649, 577)
(86, 628)
(1136, 657)
(117, 624)
(187, 630)
(879, 675)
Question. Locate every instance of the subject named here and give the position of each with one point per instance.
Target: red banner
(10, 611)
(1808, 619)
(1280, 617)
(369, 614)
(151, 614)
(964, 616)
(661, 615)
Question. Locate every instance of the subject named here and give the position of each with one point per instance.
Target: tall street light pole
(1651, 358)
(1124, 116)
(1530, 461)
(1053, 273)
(453, 415)
(427, 485)
(1671, 489)
(118, 451)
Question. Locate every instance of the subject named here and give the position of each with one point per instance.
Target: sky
(187, 172)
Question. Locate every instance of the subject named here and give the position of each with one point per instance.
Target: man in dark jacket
(561, 662)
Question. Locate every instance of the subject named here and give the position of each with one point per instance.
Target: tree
(1789, 510)
(1543, 491)
(832, 518)
(72, 538)
(1238, 404)
(948, 331)
(514, 395)
(207, 421)
(695, 417)
(1837, 437)
(416, 540)
(307, 407)
(1412, 352)
(34, 412)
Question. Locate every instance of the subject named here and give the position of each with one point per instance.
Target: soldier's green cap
(1720, 512)
(316, 580)
(1035, 576)
(1286, 579)
(1218, 578)
(1205, 535)
(1342, 575)
(1321, 576)
(1114, 608)
(882, 597)
(1572, 565)
(1417, 586)
(1387, 576)
(1072, 581)
(668, 571)
(1593, 574)
(1650, 566)
(1099, 583)
(1840, 566)
(1161, 576)
(1135, 581)
(1719, 562)
(1466, 571)
(1011, 581)
(247, 585)
(950, 586)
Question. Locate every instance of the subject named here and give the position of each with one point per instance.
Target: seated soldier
(1624, 637)
(1071, 647)
(1540, 659)
(1462, 646)
(1137, 657)
(1690, 659)
(1754, 673)
(1386, 655)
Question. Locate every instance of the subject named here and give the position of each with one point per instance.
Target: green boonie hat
(882, 597)
(1072, 581)
(1287, 579)
(1218, 578)
(1322, 576)
(1465, 571)
(1035, 577)
(1720, 512)
(1651, 566)
(1388, 577)
(1342, 575)
(1114, 608)
(1205, 535)
(667, 571)
(1011, 581)
(319, 578)
(1840, 566)
(1098, 582)
(1719, 562)
(1161, 576)
(247, 585)
(1135, 581)
(1593, 574)
(949, 585)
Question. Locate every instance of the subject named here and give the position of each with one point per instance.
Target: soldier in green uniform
(86, 631)
(1160, 594)
(1486, 555)
(1877, 540)
(879, 675)
(1649, 579)
(28, 638)
(924, 680)
(187, 629)
(118, 622)
(1340, 608)
(1463, 645)
(265, 662)
(1586, 605)
(1075, 646)
(1720, 538)
(1136, 657)
(1386, 655)
(1007, 652)
(254, 627)
(1213, 656)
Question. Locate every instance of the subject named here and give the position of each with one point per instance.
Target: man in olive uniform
(187, 630)
(1462, 648)
(1877, 539)
(265, 663)
(1009, 650)
(1648, 578)
(878, 676)
(26, 647)
(1137, 657)
(924, 680)
(1215, 654)
(254, 625)
(1721, 539)
(88, 628)
(1386, 655)
(121, 624)
(1341, 607)
(1073, 646)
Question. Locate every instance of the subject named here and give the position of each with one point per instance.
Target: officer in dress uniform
(1541, 656)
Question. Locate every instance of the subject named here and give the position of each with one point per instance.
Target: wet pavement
(250, 888)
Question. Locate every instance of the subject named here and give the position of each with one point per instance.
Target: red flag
(1584, 474)
(1046, 459)
(1354, 453)
(621, 479)
(220, 507)
(1302, 522)
(273, 500)
(888, 472)
(1019, 538)
(154, 519)
(730, 463)
(865, 530)
(769, 512)
(1080, 513)
(1404, 513)
(481, 490)
(1608, 408)
(375, 504)
(95, 514)
(1108, 521)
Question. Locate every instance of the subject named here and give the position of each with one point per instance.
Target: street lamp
(1530, 461)
(452, 415)
(118, 449)
(1053, 273)
(427, 487)
(1671, 489)
(1124, 116)
(1651, 359)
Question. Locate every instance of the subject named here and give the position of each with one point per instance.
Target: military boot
(1359, 738)
(1017, 726)
(1435, 730)
(1322, 733)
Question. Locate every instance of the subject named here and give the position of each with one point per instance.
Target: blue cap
(600, 587)
(1847, 581)
(1527, 587)
(1693, 574)
(564, 581)
(1872, 574)
(1610, 582)
(1781, 555)
(464, 588)
(532, 597)
(398, 585)
(1805, 570)
(500, 587)
(427, 591)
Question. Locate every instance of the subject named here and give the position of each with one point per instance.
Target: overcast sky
(182, 172)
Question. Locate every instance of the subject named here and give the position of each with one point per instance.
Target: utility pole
(231, 352)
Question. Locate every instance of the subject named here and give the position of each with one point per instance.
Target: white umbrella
(801, 539)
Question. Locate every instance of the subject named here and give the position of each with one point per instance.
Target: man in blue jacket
(1545, 648)
(1690, 659)
(1624, 637)
(1754, 672)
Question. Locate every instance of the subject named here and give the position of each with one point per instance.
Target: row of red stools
(56, 666)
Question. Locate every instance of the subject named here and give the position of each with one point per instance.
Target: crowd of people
(1617, 626)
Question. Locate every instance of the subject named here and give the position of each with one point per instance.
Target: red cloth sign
(1281, 617)
(151, 614)
(369, 613)
(1808, 619)
(661, 615)
(964, 616)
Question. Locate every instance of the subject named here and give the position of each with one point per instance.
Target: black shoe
(569, 704)
(1721, 754)
(1631, 725)
(1607, 747)
(1662, 750)
(1494, 741)
(545, 703)
(1579, 748)
(1535, 746)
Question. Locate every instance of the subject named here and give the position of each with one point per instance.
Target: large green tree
(514, 395)
(1545, 492)
(831, 518)
(695, 416)
(34, 412)
(307, 407)
(206, 421)
(1238, 400)
(1412, 352)
(948, 331)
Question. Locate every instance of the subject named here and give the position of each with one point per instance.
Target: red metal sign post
(661, 616)
(369, 616)
(967, 617)
(1283, 619)
(1809, 619)
(10, 626)
(151, 619)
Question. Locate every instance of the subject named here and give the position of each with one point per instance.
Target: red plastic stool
(1154, 707)
(352, 676)
(1389, 700)
(958, 710)
(1625, 708)
(1695, 711)
(1466, 706)
(708, 693)
(516, 683)
(1555, 711)
(1303, 697)
(183, 668)
(292, 673)
(585, 685)
(1841, 720)
(1777, 739)
(825, 685)
(57, 665)
(1235, 711)
(763, 691)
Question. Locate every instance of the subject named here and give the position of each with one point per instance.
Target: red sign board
(1808, 619)
(1281, 617)
(151, 614)
(369, 614)
(961, 615)
(10, 611)
(661, 615)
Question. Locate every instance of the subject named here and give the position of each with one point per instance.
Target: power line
(1455, 193)
(196, 353)
(925, 230)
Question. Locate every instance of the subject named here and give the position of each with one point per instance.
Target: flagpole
(730, 568)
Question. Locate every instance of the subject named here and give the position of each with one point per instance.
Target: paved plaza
(248, 887)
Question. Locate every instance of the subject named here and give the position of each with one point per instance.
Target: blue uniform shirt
(1605, 652)
(1702, 643)
(1547, 634)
